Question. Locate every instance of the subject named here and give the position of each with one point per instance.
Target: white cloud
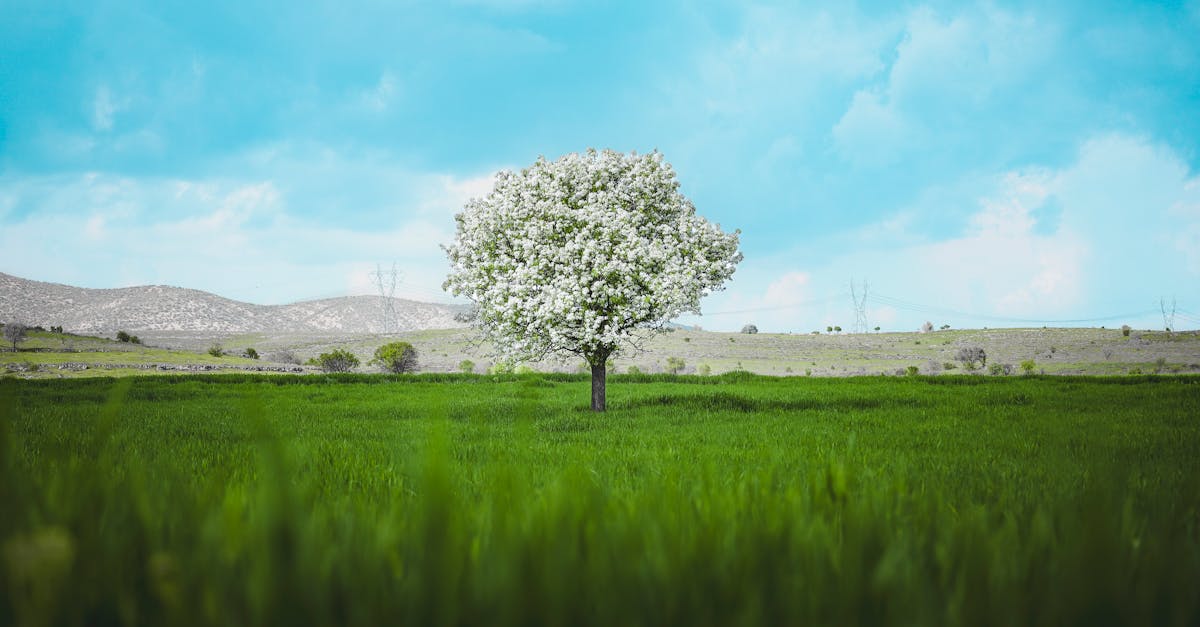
(264, 240)
(1128, 232)
(787, 290)
(944, 70)
(783, 59)
(867, 125)
(379, 97)
(104, 107)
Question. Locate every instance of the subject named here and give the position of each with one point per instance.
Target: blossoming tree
(590, 254)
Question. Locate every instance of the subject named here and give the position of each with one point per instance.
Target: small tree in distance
(750, 328)
(15, 332)
(337, 361)
(396, 357)
(590, 254)
(969, 355)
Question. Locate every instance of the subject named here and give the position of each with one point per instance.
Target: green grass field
(443, 499)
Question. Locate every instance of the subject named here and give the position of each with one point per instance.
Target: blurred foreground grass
(427, 500)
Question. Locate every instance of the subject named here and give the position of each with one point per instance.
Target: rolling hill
(167, 308)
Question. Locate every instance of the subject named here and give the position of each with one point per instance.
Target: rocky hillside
(166, 308)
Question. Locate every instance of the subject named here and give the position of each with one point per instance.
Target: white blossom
(585, 255)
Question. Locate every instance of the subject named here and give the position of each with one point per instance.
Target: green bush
(674, 365)
(1125, 329)
(912, 371)
(501, 367)
(466, 366)
(704, 370)
(216, 350)
(396, 357)
(633, 370)
(250, 353)
(337, 361)
(1028, 366)
(123, 336)
(1001, 369)
(969, 355)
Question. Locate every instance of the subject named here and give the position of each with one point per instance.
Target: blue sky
(991, 164)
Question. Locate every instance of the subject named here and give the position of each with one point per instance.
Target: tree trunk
(599, 373)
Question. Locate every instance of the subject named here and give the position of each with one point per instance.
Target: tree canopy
(588, 254)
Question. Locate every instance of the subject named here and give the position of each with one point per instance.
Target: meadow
(442, 499)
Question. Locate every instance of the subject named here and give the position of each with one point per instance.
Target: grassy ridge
(737, 499)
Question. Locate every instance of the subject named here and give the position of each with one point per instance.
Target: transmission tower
(385, 281)
(860, 307)
(1168, 314)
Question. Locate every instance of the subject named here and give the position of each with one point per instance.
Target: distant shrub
(123, 336)
(58, 330)
(944, 327)
(1135, 371)
(337, 361)
(1028, 366)
(927, 327)
(970, 355)
(949, 365)
(1001, 369)
(808, 372)
(837, 329)
(283, 357)
(877, 329)
(750, 328)
(633, 370)
(704, 370)
(466, 366)
(396, 357)
(674, 365)
(523, 369)
(216, 350)
(1160, 364)
(912, 371)
(1125, 329)
(250, 353)
(687, 339)
(501, 367)
(15, 332)
(829, 329)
